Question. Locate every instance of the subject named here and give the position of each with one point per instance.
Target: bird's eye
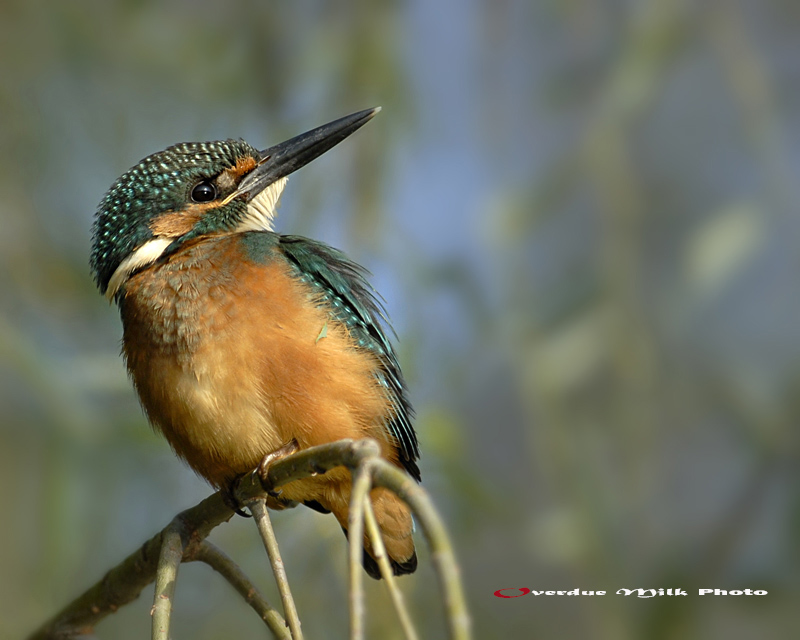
(204, 192)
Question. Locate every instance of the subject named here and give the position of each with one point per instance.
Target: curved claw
(262, 471)
(229, 498)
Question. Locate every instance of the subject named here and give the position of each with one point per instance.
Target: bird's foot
(262, 471)
(228, 494)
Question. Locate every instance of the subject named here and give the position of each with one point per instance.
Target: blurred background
(582, 215)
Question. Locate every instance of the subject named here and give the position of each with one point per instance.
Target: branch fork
(184, 540)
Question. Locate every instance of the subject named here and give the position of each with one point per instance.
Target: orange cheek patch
(173, 224)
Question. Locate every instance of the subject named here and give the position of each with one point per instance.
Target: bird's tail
(396, 525)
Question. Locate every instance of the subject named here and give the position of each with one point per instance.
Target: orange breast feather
(231, 361)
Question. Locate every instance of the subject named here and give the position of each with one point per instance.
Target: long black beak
(287, 157)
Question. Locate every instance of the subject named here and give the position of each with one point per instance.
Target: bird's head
(197, 189)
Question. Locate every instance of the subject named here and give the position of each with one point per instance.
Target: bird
(244, 343)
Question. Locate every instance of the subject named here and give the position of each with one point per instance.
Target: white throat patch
(261, 209)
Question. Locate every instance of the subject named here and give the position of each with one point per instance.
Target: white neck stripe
(148, 253)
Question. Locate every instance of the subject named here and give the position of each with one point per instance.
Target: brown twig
(386, 570)
(355, 536)
(124, 582)
(188, 530)
(392, 478)
(258, 508)
(215, 558)
(169, 560)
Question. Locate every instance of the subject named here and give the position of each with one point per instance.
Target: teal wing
(342, 285)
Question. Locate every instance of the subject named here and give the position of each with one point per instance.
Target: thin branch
(215, 558)
(258, 508)
(392, 478)
(386, 570)
(169, 560)
(355, 536)
(124, 583)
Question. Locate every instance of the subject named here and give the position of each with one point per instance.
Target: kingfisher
(243, 343)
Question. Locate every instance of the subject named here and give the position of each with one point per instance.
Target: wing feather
(343, 285)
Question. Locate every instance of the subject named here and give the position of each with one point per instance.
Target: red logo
(524, 592)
